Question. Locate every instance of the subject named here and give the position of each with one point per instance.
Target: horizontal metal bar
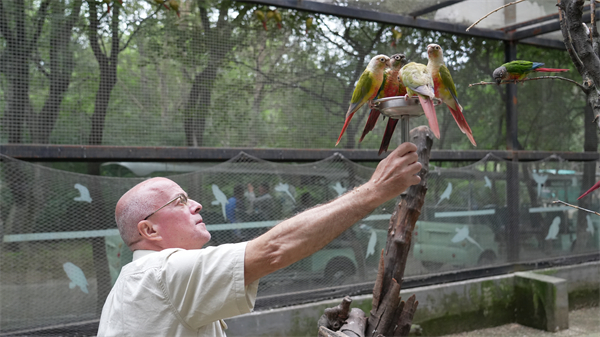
(544, 43)
(392, 19)
(434, 7)
(464, 213)
(530, 22)
(535, 31)
(411, 21)
(32, 152)
(543, 29)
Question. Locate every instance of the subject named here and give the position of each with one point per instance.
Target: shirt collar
(138, 254)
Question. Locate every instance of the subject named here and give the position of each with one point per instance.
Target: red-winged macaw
(367, 87)
(518, 70)
(418, 82)
(445, 89)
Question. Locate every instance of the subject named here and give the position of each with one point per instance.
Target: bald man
(174, 288)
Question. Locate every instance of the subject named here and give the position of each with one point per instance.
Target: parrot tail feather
(387, 136)
(462, 123)
(346, 123)
(593, 188)
(551, 70)
(429, 110)
(373, 116)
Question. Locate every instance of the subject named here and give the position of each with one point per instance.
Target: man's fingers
(404, 148)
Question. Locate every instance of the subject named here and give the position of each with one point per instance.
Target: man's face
(180, 225)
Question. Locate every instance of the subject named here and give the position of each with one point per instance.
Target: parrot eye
(382, 59)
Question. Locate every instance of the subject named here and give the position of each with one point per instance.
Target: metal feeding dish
(396, 107)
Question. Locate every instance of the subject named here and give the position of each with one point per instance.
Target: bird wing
(362, 92)
(519, 67)
(448, 82)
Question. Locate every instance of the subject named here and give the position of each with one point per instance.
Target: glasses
(181, 197)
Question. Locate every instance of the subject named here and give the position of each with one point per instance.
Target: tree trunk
(61, 68)
(108, 70)
(584, 51)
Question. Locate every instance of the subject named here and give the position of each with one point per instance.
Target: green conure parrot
(396, 35)
(391, 125)
(445, 89)
(309, 23)
(418, 82)
(518, 70)
(277, 17)
(174, 4)
(162, 2)
(260, 15)
(390, 87)
(367, 87)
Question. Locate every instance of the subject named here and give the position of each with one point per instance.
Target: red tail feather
(429, 110)
(462, 123)
(373, 116)
(387, 136)
(593, 188)
(346, 123)
(551, 70)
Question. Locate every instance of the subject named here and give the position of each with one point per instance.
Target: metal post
(512, 171)
(404, 128)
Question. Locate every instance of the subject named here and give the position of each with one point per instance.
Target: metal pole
(404, 128)
(512, 171)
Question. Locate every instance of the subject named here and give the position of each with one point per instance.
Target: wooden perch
(334, 318)
(390, 316)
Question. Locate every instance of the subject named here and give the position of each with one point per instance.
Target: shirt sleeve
(205, 285)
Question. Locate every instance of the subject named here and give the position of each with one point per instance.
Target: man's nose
(196, 206)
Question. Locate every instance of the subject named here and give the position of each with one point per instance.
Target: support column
(512, 174)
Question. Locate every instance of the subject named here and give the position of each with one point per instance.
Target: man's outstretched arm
(308, 232)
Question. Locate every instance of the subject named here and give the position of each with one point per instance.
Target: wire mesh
(61, 250)
(215, 76)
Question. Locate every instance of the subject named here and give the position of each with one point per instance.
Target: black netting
(61, 250)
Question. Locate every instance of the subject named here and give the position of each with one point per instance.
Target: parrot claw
(406, 97)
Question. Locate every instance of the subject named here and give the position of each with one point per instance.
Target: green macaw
(445, 89)
(518, 70)
(418, 82)
(367, 87)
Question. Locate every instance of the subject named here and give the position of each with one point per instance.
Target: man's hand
(396, 173)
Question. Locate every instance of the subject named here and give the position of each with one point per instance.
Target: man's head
(145, 224)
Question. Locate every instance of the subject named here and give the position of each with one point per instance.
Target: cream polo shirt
(178, 292)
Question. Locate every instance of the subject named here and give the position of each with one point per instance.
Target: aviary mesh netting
(61, 250)
(213, 75)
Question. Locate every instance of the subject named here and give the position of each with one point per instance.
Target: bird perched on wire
(367, 87)
(519, 69)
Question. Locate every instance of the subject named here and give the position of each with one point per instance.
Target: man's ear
(147, 231)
